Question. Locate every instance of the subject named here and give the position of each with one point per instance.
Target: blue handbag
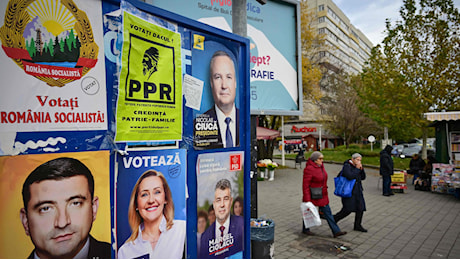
(343, 186)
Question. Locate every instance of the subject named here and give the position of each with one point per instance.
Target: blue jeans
(326, 210)
(386, 184)
(416, 175)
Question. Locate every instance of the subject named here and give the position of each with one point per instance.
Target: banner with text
(53, 71)
(149, 106)
(274, 73)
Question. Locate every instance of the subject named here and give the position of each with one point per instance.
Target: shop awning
(442, 116)
(323, 136)
(265, 133)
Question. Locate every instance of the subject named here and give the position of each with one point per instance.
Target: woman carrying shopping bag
(315, 191)
(353, 169)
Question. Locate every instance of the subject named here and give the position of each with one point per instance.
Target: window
(320, 8)
(322, 19)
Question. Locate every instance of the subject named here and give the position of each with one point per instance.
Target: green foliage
(311, 42)
(370, 158)
(415, 70)
(342, 106)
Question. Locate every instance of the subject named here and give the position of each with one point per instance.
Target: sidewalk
(413, 224)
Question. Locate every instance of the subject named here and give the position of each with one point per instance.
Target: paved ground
(413, 224)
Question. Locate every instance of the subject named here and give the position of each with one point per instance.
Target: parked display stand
(398, 181)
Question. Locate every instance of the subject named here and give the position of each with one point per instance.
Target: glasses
(321, 158)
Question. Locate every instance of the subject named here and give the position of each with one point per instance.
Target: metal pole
(282, 142)
(239, 25)
(239, 17)
(320, 141)
(385, 136)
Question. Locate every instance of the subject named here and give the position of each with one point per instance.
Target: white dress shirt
(170, 244)
(226, 225)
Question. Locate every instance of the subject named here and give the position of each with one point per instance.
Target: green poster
(149, 106)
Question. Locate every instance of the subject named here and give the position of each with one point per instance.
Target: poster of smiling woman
(150, 204)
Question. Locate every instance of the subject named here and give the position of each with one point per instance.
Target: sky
(369, 15)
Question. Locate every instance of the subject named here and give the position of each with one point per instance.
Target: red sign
(235, 162)
(292, 141)
(304, 129)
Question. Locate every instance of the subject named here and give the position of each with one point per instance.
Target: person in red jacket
(314, 176)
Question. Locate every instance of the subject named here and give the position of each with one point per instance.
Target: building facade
(347, 49)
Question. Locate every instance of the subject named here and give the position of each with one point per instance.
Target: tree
(415, 70)
(347, 120)
(311, 44)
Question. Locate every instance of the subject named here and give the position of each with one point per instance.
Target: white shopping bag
(310, 214)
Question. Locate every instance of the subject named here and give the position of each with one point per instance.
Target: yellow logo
(50, 40)
(198, 42)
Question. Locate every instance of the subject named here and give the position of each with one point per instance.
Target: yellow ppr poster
(149, 106)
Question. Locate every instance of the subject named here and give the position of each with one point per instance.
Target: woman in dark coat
(353, 169)
(315, 176)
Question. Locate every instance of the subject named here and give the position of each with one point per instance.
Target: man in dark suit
(59, 210)
(219, 126)
(224, 237)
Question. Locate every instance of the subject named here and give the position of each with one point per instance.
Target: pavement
(414, 224)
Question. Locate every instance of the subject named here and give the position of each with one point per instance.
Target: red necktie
(222, 234)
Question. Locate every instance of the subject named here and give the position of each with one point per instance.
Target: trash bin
(262, 238)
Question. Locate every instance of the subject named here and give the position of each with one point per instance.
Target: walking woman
(315, 176)
(353, 169)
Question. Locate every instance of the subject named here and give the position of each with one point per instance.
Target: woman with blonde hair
(155, 233)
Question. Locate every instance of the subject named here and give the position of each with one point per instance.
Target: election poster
(53, 71)
(51, 187)
(151, 196)
(149, 106)
(216, 122)
(220, 194)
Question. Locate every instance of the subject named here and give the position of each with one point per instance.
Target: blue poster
(150, 204)
(220, 197)
(216, 124)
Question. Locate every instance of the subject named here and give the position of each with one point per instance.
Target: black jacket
(356, 201)
(97, 249)
(386, 162)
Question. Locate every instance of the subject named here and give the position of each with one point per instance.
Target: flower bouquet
(272, 165)
(262, 165)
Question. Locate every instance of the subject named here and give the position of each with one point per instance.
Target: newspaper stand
(398, 181)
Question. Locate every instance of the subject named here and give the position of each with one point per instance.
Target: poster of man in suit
(220, 181)
(216, 125)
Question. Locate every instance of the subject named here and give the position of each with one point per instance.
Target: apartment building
(347, 49)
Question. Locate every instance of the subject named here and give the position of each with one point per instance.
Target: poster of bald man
(216, 124)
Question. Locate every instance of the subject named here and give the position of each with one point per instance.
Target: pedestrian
(416, 166)
(386, 169)
(315, 176)
(353, 169)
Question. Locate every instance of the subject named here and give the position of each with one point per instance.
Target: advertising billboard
(275, 72)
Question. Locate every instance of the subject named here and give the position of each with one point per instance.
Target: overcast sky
(369, 15)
